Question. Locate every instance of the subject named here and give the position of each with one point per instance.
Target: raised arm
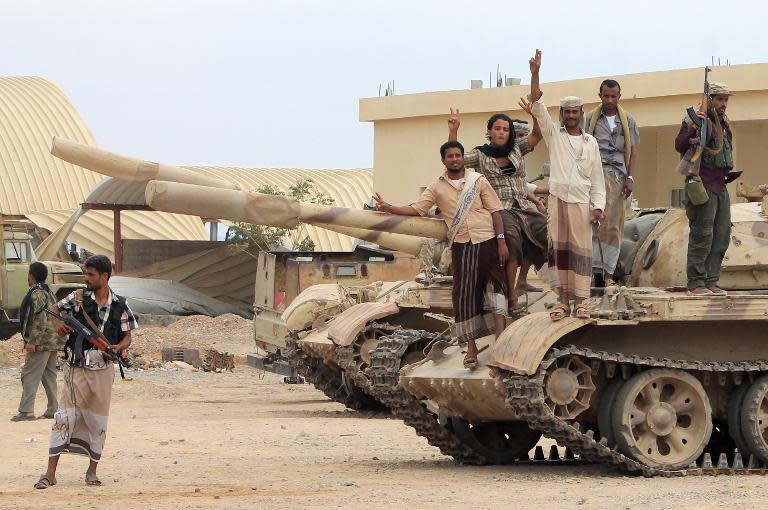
(453, 125)
(538, 108)
(535, 135)
(535, 65)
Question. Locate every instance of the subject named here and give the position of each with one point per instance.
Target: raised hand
(453, 120)
(526, 106)
(535, 62)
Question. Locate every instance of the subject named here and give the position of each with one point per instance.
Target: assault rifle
(703, 124)
(97, 340)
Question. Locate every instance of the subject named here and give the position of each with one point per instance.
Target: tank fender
(523, 345)
(350, 322)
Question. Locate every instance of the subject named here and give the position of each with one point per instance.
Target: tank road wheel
(735, 401)
(662, 418)
(355, 359)
(569, 387)
(366, 341)
(499, 442)
(754, 418)
(604, 410)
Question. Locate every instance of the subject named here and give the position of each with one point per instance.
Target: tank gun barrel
(280, 211)
(127, 168)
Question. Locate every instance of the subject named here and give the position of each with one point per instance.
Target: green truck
(17, 255)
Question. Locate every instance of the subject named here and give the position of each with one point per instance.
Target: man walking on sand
(41, 343)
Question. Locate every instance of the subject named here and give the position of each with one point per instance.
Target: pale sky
(276, 84)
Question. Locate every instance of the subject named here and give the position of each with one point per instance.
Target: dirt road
(180, 440)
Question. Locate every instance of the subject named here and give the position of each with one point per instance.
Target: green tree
(246, 236)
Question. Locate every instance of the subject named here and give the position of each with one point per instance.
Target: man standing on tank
(577, 197)
(710, 222)
(617, 137)
(472, 211)
(525, 223)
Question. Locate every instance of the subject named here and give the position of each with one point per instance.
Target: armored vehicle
(311, 284)
(655, 381)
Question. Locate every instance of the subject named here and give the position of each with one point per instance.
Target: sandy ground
(225, 333)
(186, 440)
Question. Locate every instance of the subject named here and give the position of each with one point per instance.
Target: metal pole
(118, 239)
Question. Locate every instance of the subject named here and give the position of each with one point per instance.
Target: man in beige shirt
(577, 189)
(472, 211)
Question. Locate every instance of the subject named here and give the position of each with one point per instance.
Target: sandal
(92, 479)
(528, 288)
(581, 312)
(44, 482)
(23, 417)
(470, 361)
(46, 416)
(560, 311)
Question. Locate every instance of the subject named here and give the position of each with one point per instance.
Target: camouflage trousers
(39, 366)
(710, 225)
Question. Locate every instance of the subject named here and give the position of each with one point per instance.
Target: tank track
(383, 383)
(315, 371)
(525, 394)
(346, 360)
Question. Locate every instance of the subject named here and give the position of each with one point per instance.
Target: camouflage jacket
(39, 329)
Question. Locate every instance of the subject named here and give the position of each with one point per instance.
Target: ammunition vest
(112, 327)
(723, 160)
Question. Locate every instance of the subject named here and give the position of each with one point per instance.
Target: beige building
(409, 129)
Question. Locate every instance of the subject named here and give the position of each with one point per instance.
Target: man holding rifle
(705, 142)
(80, 423)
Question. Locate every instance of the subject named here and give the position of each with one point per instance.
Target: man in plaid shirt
(80, 423)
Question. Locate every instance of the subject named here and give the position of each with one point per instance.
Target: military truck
(17, 254)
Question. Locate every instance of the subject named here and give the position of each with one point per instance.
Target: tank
(655, 382)
(307, 319)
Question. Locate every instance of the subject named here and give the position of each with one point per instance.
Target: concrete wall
(409, 129)
(138, 253)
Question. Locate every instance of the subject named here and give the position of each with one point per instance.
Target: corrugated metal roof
(94, 228)
(348, 188)
(34, 183)
(32, 111)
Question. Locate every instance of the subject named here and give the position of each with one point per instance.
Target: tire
(755, 398)
(499, 442)
(735, 402)
(605, 410)
(657, 440)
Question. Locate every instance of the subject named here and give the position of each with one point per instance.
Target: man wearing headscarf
(501, 162)
(710, 222)
(577, 190)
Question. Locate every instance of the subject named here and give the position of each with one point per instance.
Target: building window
(678, 195)
(346, 271)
